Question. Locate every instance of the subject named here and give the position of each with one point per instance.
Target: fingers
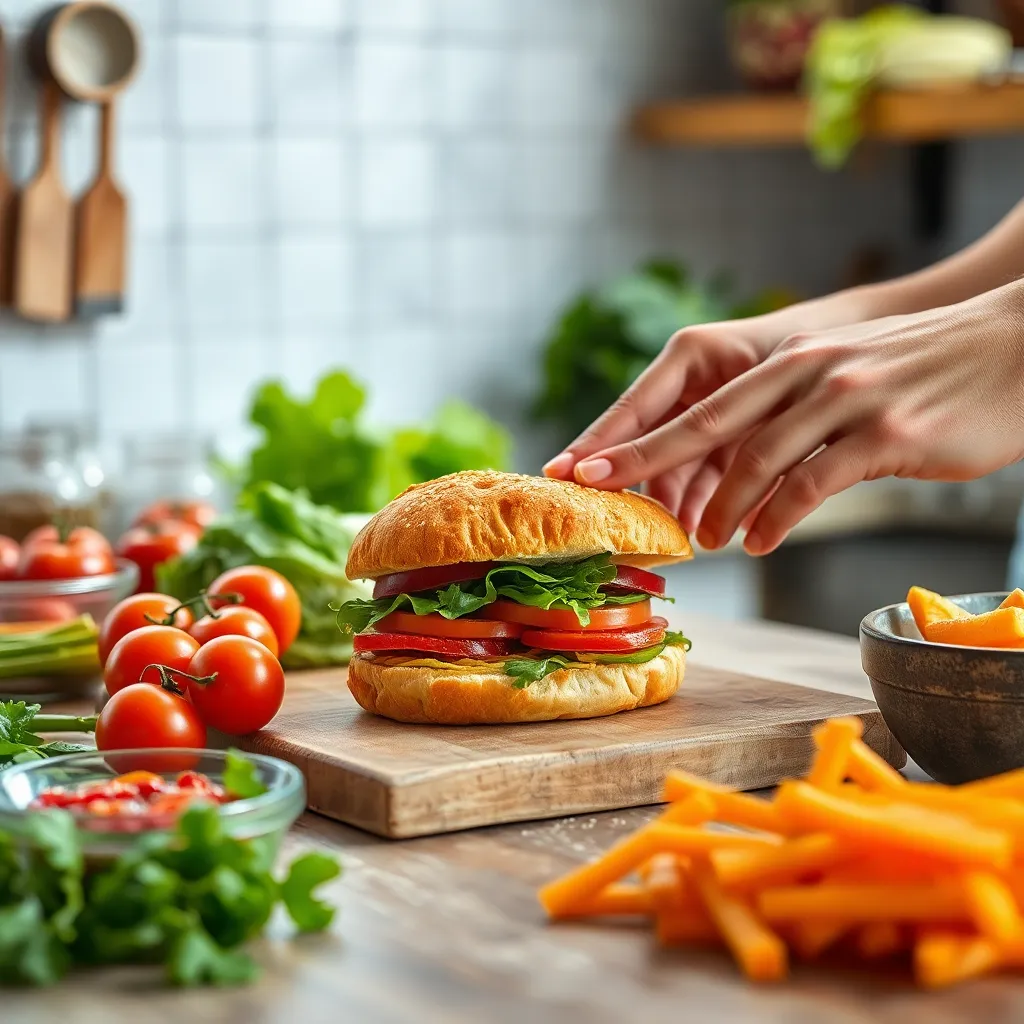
(697, 496)
(670, 487)
(806, 486)
(712, 423)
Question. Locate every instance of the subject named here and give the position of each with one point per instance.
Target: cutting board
(399, 780)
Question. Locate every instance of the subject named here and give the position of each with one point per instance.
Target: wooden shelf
(779, 120)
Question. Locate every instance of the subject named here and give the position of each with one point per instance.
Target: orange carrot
(759, 951)
(879, 939)
(898, 827)
(730, 806)
(663, 879)
(1008, 784)
(673, 928)
(812, 938)
(694, 810)
(853, 903)
(1003, 628)
(872, 772)
(618, 900)
(927, 607)
(1015, 599)
(941, 960)
(992, 906)
(833, 739)
(790, 862)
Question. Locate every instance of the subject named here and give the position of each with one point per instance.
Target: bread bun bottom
(480, 693)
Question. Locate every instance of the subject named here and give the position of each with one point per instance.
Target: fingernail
(559, 465)
(753, 544)
(593, 471)
(705, 538)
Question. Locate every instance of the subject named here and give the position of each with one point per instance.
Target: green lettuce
(575, 585)
(286, 531)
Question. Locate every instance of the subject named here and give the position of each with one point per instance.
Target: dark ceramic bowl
(957, 711)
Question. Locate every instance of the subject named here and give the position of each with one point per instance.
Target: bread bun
(480, 694)
(482, 516)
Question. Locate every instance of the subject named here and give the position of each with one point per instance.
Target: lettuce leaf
(575, 585)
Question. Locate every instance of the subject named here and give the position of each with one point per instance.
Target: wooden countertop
(448, 929)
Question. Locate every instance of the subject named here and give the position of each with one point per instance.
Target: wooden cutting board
(399, 780)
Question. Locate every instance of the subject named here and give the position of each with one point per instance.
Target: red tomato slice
(615, 616)
(448, 648)
(630, 578)
(429, 579)
(438, 625)
(651, 633)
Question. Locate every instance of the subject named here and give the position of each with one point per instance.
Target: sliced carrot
(618, 900)
(794, 860)
(663, 879)
(927, 607)
(942, 960)
(812, 938)
(678, 929)
(879, 939)
(759, 951)
(992, 906)
(1002, 628)
(857, 904)
(872, 772)
(898, 826)
(833, 740)
(693, 810)
(730, 806)
(1015, 599)
(1008, 784)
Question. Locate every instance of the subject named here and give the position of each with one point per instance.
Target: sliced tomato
(446, 647)
(433, 578)
(615, 616)
(438, 625)
(650, 633)
(630, 578)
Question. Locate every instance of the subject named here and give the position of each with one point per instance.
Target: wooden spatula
(44, 246)
(8, 198)
(102, 234)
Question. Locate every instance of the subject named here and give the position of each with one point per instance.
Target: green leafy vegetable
(68, 648)
(531, 670)
(322, 446)
(19, 724)
(187, 899)
(575, 585)
(240, 777)
(305, 542)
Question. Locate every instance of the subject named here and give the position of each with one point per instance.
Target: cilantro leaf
(197, 960)
(306, 873)
(241, 779)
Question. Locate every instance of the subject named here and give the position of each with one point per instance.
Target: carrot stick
(663, 880)
(941, 960)
(776, 865)
(730, 806)
(1015, 599)
(879, 939)
(927, 607)
(833, 739)
(617, 900)
(1008, 784)
(567, 894)
(759, 951)
(812, 938)
(694, 810)
(992, 906)
(860, 903)
(898, 827)
(673, 928)
(872, 772)
(1003, 627)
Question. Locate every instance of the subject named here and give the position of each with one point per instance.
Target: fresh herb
(305, 542)
(19, 725)
(68, 648)
(240, 777)
(575, 585)
(322, 446)
(531, 670)
(188, 899)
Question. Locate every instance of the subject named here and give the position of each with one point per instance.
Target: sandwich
(506, 598)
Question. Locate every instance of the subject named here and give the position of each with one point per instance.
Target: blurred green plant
(606, 338)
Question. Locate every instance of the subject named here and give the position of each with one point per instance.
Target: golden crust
(482, 516)
(412, 693)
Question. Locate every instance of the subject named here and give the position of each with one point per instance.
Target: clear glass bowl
(54, 601)
(266, 817)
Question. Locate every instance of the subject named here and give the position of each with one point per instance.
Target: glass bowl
(47, 602)
(266, 817)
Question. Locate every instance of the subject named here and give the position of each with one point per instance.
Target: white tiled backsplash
(412, 189)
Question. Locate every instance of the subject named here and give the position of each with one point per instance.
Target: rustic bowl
(957, 711)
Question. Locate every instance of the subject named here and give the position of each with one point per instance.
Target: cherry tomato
(614, 616)
(438, 625)
(446, 647)
(432, 578)
(141, 715)
(132, 655)
(148, 546)
(52, 560)
(235, 620)
(131, 614)
(629, 577)
(9, 553)
(653, 632)
(269, 593)
(247, 685)
(195, 513)
(84, 538)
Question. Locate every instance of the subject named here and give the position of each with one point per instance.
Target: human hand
(935, 395)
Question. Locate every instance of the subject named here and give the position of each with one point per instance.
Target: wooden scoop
(44, 246)
(8, 199)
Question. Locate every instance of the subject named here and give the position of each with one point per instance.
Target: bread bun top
(483, 516)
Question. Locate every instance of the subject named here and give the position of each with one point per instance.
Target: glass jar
(172, 467)
(39, 483)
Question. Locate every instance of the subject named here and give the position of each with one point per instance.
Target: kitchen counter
(448, 928)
